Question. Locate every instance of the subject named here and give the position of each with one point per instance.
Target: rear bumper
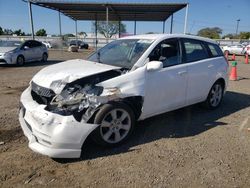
(51, 134)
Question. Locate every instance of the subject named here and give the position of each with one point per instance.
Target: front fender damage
(82, 98)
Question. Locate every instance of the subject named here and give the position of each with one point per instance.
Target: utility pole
(237, 26)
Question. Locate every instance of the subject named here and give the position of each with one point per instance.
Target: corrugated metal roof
(118, 10)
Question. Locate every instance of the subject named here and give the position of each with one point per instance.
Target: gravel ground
(190, 147)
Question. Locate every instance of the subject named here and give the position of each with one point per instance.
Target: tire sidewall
(106, 108)
(44, 57)
(17, 60)
(208, 103)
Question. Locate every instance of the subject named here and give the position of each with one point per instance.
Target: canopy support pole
(76, 28)
(135, 27)
(171, 26)
(96, 32)
(163, 26)
(119, 29)
(31, 20)
(60, 24)
(107, 23)
(186, 16)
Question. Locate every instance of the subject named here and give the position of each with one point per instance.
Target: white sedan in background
(247, 50)
(128, 80)
(47, 44)
(238, 49)
(17, 52)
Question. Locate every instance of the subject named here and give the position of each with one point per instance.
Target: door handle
(209, 66)
(182, 72)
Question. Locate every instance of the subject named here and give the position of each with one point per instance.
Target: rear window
(194, 50)
(215, 50)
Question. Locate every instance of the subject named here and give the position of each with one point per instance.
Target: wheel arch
(222, 81)
(133, 102)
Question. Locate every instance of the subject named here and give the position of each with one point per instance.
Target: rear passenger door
(28, 51)
(37, 50)
(199, 67)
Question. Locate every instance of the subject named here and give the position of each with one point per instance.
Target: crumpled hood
(69, 71)
(6, 49)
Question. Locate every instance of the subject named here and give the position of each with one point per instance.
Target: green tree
(41, 32)
(230, 36)
(112, 29)
(1, 31)
(66, 36)
(19, 32)
(150, 32)
(7, 32)
(213, 33)
(244, 35)
(84, 34)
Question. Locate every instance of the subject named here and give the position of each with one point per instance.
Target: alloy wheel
(115, 126)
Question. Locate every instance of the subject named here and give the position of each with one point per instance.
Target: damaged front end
(80, 98)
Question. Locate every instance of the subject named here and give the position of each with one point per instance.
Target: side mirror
(154, 65)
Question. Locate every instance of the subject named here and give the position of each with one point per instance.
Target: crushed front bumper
(51, 134)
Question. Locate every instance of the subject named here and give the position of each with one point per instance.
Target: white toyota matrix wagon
(128, 80)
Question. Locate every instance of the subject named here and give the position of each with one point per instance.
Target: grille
(42, 91)
(41, 94)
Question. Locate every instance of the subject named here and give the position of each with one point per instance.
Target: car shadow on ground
(184, 122)
(33, 64)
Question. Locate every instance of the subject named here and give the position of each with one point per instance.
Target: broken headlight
(57, 86)
(74, 98)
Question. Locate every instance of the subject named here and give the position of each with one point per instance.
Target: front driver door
(165, 89)
(28, 51)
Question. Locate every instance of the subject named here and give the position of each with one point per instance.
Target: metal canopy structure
(87, 10)
(111, 10)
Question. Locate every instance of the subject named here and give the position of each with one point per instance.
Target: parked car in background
(79, 43)
(116, 86)
(247, 49)
(47, 44)
(234, 49)
(17, 52)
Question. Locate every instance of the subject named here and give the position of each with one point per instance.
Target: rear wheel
(215, 96)
(20, 60)
(116, 122)
(45, 57)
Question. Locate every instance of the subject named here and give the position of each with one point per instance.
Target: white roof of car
(165, 36)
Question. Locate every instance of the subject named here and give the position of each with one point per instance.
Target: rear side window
(193, 50)
(35, 44)
(215, 50)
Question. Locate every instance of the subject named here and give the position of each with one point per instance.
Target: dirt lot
(190, 147)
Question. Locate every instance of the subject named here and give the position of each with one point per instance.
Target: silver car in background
(18, 52)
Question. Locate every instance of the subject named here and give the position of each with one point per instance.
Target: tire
(44, 57)
(20, 61)
(116, 122)
(215, 96)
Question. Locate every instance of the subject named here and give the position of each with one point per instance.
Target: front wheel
(215, 96)
(116, 122)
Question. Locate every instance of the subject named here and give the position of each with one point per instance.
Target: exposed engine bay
(80, 98)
